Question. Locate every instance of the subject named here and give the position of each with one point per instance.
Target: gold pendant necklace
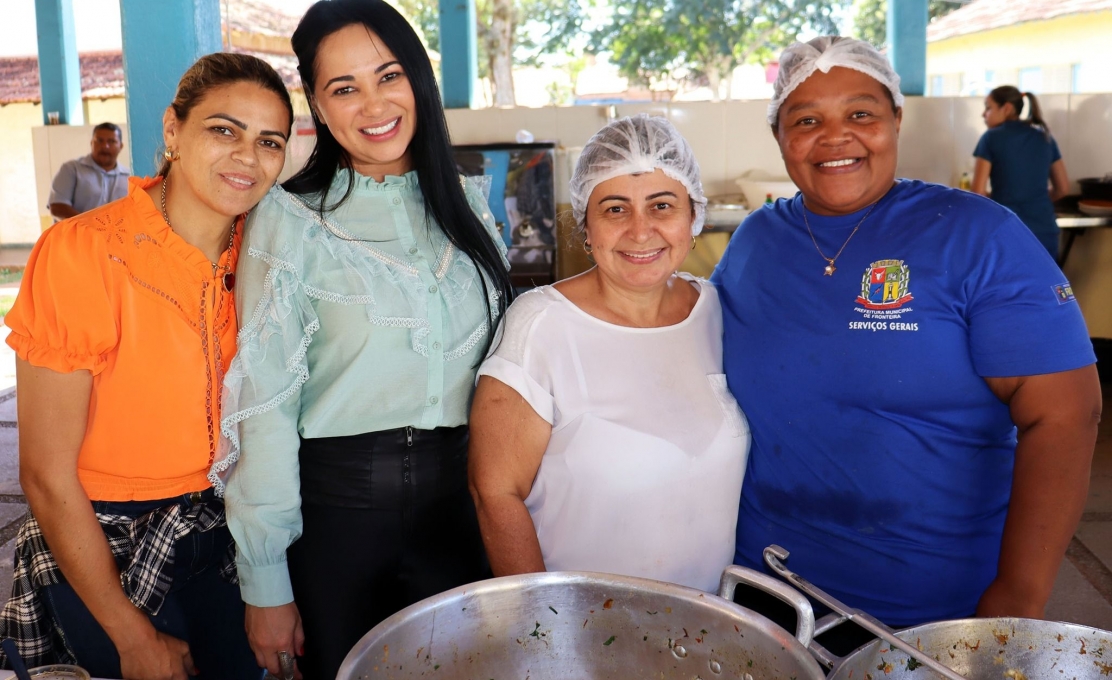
(229, 278)
(830, 268)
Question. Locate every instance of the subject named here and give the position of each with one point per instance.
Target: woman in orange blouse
(123, 328)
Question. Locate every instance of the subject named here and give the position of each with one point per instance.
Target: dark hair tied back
(430, 150)
(216, 70)
(1009, 94)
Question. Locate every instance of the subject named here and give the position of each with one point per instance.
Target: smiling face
(363, 96)
(995, 114)
(639, 228)
(231, 148)
(838, 136)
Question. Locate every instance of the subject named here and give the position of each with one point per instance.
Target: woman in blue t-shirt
(1019, 155)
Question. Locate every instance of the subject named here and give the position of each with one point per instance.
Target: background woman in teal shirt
(368, 288)
(1019, 156)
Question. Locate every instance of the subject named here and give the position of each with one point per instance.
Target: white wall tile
(968, 126)
(1088, 151)
(926, 150)
(542, 122)
(701, 124)
(577, 124)
(475, 126)
(749, 143)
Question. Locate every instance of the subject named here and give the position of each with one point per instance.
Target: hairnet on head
(630, 146)
(800, 60)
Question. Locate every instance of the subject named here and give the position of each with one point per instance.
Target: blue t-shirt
(880, 458)
(1021, 157)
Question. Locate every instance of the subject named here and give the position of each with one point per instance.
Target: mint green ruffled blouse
(368, 319)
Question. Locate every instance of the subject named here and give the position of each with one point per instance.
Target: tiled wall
(936, 140)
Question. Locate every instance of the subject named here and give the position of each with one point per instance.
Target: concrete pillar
(907, 44)
(459, 53)
(161, 40)
(59, 70)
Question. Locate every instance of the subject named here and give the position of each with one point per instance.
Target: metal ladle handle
(774, 556)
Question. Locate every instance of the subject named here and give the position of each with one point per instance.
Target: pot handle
(735, 575)
(775, 556)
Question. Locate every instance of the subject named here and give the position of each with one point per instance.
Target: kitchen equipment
(758, 185)
(998, 648)
(725, 212)
(774, 556)
(1095, 207)
(523, 202)
(579, 625)
(1096, 188)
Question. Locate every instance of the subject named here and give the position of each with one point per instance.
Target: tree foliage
(655, 41)
(510, 33)
(870, 17)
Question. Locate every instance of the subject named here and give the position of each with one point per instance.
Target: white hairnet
(630, 146)
(800, 60)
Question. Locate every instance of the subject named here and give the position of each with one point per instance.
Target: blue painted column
(161, 40)
(459, 53)
(59, 70)
(907, 44)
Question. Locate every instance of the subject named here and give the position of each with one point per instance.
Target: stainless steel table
(1074, 224)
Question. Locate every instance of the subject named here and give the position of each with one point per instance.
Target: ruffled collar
(408, 181)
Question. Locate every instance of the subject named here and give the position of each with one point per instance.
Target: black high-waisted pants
(388, 521)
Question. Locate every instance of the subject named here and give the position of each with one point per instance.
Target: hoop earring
(170, 155)
(587, 247)
(693, 243)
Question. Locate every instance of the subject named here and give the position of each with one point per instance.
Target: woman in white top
(603, 437)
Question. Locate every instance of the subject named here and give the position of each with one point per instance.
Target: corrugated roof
(985, 15)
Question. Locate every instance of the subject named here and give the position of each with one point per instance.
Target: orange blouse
(116, 292)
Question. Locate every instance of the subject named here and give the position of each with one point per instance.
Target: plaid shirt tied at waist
(143, 547)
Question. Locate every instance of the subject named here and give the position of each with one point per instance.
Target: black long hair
(430, 150)
(1009, 94)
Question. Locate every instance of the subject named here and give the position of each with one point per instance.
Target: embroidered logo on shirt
(884, 285)
(1064, 292)
(884, 292)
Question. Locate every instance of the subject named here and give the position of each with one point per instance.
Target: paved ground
(1082, 593)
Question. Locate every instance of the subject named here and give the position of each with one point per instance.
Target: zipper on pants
(405, 459)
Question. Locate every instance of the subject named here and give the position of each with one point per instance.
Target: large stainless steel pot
(980, 649)
(977, 649)
(577, 625)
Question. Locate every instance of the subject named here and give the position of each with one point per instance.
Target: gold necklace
(229, 278)
(830, 268)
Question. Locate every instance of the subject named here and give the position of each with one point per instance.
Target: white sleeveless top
(642, 475)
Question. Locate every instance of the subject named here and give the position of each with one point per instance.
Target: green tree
(655, 41)
(510, 33)
(870, 17)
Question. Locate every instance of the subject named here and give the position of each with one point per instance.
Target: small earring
(587, 247)
(170, 155)
(693, 243)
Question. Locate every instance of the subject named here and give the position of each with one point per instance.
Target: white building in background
(1040, 46)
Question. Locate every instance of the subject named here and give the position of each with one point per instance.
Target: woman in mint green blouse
(369, 284)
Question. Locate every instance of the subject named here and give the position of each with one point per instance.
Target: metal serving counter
(1074, 224)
